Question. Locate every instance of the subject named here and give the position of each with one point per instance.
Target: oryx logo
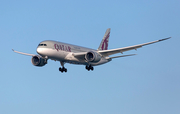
(105, 42)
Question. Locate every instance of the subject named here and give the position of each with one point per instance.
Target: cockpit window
(42, 45)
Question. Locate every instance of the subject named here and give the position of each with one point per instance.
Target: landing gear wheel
(92, 68)
(65, 70)
(89, 68)
(62, 69)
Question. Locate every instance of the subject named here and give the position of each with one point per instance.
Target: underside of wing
(121, 50)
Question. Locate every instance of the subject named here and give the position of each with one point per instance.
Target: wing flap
(121, 56)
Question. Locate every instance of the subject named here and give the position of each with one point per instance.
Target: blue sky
(147, 83)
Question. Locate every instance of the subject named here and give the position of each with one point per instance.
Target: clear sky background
(148, 83)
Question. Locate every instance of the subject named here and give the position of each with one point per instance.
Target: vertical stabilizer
(105, 40)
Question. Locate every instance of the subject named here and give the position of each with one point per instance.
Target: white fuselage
(59, 51)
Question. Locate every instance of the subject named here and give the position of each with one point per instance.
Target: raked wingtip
(164, 39)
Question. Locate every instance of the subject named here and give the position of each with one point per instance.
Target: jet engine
(92, 57)
(38, 61)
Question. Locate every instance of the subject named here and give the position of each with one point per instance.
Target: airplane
(73, 54)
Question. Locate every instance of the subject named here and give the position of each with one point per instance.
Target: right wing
(23, 53)
(121, 50)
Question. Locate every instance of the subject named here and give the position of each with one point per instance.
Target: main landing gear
(89, 67)
(63, 69)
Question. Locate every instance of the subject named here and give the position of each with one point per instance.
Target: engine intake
(38, 61)
(92, 57)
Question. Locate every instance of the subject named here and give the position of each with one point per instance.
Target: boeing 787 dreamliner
(68, 53)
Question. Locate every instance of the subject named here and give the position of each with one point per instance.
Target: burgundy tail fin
(105, 40)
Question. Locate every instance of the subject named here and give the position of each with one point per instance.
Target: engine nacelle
(92, 57)
(38, 61)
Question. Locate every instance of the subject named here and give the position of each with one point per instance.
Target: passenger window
(45, 44)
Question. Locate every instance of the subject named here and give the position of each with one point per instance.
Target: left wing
(23, 53)
(121, 50)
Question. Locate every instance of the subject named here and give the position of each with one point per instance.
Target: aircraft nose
(39, 50)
